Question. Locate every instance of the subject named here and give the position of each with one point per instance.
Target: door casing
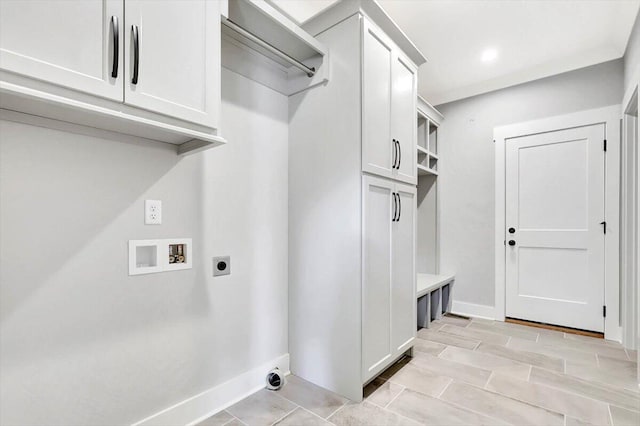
(610, 117)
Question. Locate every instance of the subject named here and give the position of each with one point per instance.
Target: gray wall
(81, 342)
(632, 55)
(467, 189)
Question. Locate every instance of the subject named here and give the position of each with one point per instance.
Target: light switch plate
(152, 212)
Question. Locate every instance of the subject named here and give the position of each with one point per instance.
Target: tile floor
(470, 372)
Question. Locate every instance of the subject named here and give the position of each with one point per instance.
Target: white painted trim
(199, 407)
(472, 310)
(610, 116)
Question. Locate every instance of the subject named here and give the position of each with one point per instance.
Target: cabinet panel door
(376, 288)
(377, 146)
(403, 292)
(179, 58)
(67, 42)
(403, 117)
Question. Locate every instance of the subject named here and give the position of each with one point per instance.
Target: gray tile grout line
(395, 397)
(339, 408)
(230, 420)
(445, 388)
(281, 418)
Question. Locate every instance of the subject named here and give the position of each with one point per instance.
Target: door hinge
(604, 146)
(604, 226)
(604, 311)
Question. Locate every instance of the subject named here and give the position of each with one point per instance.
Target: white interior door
(555, 239)
(376, 289)
(403, 294)
(67, 42)
(178, 67)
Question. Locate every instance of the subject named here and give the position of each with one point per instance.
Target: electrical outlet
(152, 212)
(221, 265)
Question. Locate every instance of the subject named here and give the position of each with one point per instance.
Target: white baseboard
(201, 406)
(472, 310)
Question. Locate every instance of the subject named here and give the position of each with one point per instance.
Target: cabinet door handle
(136, 54)
(116, 46)
(399, 157)
(395, 154)
(395, 207)
(399, 207)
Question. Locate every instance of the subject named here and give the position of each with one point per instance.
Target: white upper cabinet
(378, 148)
(403, 121)
(147, 68)
(69, 43)
(389, 104)
(173, 62)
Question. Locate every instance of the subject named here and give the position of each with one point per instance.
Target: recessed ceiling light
(489, 55)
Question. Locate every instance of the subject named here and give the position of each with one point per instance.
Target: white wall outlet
(152, 212)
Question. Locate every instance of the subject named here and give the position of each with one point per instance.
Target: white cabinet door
(378, 149)
(403, 117)
(403, 291)
(376, 292)
(177, 47)
(67, 42)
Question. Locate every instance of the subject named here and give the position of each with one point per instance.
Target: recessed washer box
(152, 256)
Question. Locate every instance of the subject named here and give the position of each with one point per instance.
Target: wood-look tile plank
(431, 411)
(474, 334)
(622, 417)
(532, 358)
(552, 399)
(487, 361)
(455, 370)
(499, 406)
(367, 414)
(578, 386)
(420, 380)
(447, 339)
(506, 331)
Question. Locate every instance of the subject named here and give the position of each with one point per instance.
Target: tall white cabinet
(352, 203)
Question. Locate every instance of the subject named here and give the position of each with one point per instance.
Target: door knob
(512, 230)
(512, 242)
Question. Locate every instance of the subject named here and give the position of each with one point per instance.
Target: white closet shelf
(425, 171)
(422, 150)
(265, 22)
(428, 282)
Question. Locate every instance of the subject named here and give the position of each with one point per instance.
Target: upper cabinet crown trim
(345, 8)
(429, 111)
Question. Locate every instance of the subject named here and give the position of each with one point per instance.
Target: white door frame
(610, 116)
(628, 265)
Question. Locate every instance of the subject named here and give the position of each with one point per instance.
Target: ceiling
(533, 39)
